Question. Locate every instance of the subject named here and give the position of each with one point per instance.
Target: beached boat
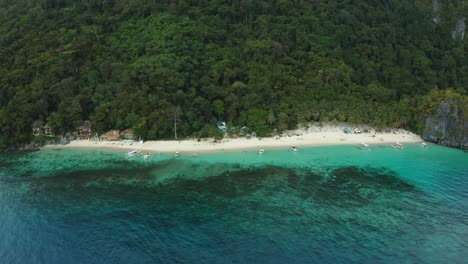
(364, 146)
(357, 131)
(398, 145)
(132, 153)
(261, 151)
(293, 148)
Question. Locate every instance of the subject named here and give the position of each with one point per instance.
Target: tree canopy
(265, 64)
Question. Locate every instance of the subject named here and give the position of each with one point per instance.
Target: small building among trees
(111, 135)
(37, 128)
(48, 131)
(127, 134)
(84, 131)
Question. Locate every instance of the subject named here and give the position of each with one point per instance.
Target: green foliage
(265, 64)
(218, 106)
(210, 131)
(256, 120)
(141, 128)
(429, 103)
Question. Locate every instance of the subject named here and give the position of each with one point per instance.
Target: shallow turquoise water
(320, 205)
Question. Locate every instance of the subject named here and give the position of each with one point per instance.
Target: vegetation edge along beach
(304, 137)
(156, 65)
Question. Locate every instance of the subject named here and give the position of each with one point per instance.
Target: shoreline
(328, 136)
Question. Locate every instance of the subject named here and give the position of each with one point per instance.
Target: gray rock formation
(448, 125)
(436, 11)
(459, 32)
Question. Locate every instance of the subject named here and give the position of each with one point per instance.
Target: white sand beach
(313, 136)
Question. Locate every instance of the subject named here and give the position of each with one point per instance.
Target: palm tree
(271, 118)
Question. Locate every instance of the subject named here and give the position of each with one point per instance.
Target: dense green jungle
(267, 65)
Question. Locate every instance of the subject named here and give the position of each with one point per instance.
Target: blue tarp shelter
(222, 126)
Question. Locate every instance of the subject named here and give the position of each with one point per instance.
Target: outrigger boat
(398, 145)
(132, 153)
(364, 146)
(293, 148)
(423, 145)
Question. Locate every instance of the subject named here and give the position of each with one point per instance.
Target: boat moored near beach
(364, 146)
(177, 154)
(423, 145)
(146, 156)
(132, 153)
(261, 151)
(293, 148)
(398, 145)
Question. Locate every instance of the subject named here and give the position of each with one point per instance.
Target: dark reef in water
(342, 186)
(97, 207)
(360, 185)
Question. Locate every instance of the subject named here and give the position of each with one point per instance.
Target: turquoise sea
(334, 204)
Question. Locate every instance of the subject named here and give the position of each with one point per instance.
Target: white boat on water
(146, 156)
(398, 145)
(364, 146)
(260, 152)
(423, 145)
(132, 153)
(293, 148)
(177, 154)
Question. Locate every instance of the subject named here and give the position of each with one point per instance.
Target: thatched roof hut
(37, 127)
(84, 131)
(111, 135)
(86, 126)
(48, 130)
(127, 134)
(37, 124)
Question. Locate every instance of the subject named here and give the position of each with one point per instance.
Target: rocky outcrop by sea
(448, 125)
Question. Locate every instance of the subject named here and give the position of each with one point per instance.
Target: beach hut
(84, 131)
(48, 130)
(111, 135)
(127, 134)
(37, 127)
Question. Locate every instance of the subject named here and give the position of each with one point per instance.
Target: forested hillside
(264, 64)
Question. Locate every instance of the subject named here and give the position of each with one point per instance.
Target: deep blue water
(320, 205)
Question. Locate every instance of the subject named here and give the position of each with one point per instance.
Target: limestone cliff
(448, 125)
